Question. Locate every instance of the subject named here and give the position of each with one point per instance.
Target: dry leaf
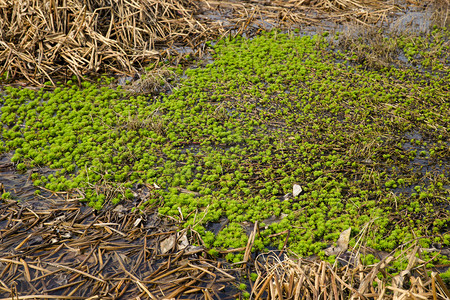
(342, 243)
(167, 244)
(296, 190)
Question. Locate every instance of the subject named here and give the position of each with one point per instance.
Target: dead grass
(56, 248)
(369, 44)
(298, 278)
(44, 40)
(441, 13)
(153, 82)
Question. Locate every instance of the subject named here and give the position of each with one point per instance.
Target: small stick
(19, 263)
(76, 271)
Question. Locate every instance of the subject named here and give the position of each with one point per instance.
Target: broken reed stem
(42, 40)
(93, 264)
(294, 277)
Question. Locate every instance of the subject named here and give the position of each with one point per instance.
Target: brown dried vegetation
(48, 38)
(298, 278)
(57, 248)
(44, 40)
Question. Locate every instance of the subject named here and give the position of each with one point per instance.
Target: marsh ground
(357, 116)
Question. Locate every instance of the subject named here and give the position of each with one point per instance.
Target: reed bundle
(41, 39)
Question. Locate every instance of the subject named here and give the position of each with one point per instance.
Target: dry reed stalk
(40, 39)
(65, 251)
(43, 40)
(291, 277)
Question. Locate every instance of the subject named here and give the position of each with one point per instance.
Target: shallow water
(18, 184)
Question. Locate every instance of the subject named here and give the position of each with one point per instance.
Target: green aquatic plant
(235, 135)
(6, 195)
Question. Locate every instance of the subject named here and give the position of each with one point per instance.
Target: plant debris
(66, 250)
(292, 277)
(41, 41)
